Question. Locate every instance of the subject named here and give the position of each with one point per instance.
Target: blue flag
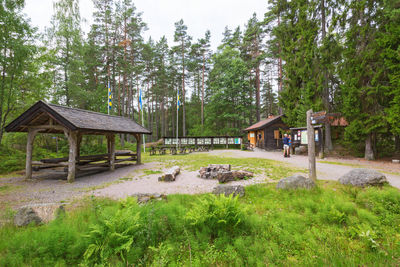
(140, 99)
(178, 102)
(109, 96)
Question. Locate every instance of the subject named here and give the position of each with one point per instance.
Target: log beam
(29, 150)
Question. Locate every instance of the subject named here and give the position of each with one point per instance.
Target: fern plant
(113, 236)
(218, 213)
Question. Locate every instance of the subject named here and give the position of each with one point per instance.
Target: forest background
(339, 56)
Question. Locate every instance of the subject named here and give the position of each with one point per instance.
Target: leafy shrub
(114, 235)
(217, 213)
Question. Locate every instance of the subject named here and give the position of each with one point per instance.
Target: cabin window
(277, 134)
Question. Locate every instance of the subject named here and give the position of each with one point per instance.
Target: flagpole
(144, 140)
(108, 96)
(177, 123)
(177, 119)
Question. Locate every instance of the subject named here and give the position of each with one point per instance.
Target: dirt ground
(143, 178)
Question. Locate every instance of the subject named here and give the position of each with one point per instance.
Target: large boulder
(170, 174)
(294, 182)
(25, 216)
(212, 170)
(229, 189)
(228, 176)
(363, 177)
(300, 150)
(38, 213)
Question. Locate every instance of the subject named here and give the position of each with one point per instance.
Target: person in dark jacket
(286, 146)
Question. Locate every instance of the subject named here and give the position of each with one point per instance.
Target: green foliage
(218, 214)
(228, 93)
(329, 225)
(114, 235)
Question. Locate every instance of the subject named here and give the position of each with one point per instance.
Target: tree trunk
(369, 150)
(280, 68)
(202, 93)
(162, 117)
(258, 92)
(183, 92)
(397, 144)
(325, 96)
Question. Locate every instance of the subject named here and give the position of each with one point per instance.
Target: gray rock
(363, 177)
(229, 189)
(25, 216)
(294, 182)
(38, 213)
(212, 170)
(228, 176)
(170, 174)
(300, 150)
(144, 198)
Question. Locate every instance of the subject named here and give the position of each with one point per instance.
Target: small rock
(25, 216)
(144, 198)
(229, 189)
(227, 176)
(294, 182)
(363, 177)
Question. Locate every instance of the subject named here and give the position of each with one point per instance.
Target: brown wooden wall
(270, 143)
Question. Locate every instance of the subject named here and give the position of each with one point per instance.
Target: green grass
(341, 163)
(6, 189)
(150, 172)
(192, 162)
(332, 225)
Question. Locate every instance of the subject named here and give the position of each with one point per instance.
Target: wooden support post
(73, 141)
(78, 145)
(138, 148)
(311, 148)
(29, 151)
(226, 140)
(111, 151)
(321, 153)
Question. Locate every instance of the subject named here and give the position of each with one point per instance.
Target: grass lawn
(192, 162)
(331, 225)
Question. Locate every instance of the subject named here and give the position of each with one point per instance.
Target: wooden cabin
(267, 134)
(43, 117)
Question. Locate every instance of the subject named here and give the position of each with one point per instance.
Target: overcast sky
(160, 15)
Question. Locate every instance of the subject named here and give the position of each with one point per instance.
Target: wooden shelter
(267, 134)
(43, 117)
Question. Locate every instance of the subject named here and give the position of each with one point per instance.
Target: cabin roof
(42, 113)
(263, 123)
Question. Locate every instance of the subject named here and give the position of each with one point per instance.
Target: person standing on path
(286, 146)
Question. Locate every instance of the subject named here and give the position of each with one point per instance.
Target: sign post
(312, 172)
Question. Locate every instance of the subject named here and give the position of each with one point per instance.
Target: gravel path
(325, 171)
(135, 179)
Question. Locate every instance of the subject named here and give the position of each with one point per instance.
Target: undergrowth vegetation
(331, 225)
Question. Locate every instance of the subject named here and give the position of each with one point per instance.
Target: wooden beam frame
(73, 149)
(111, 151)
(138, 148)
(29, 150)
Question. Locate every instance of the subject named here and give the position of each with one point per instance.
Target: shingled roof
(73, 119)
(261, 124)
